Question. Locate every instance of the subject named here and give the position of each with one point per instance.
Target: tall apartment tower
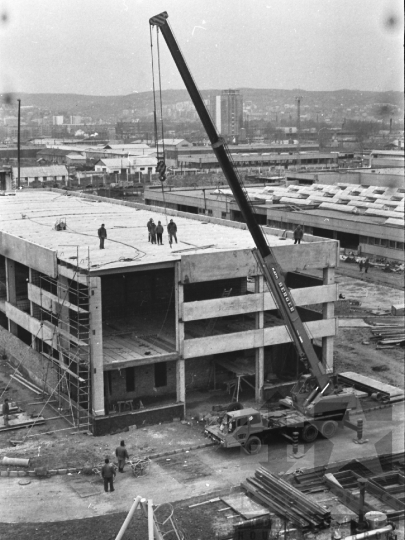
(227, 114)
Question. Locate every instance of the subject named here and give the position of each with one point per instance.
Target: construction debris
(389, 335)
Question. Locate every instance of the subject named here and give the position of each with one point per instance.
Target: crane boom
(265, 257)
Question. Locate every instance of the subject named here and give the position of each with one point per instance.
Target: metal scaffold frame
(68, 351)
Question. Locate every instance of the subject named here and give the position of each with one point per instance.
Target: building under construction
(124, 335)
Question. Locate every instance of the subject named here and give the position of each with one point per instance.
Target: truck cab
(237, 428)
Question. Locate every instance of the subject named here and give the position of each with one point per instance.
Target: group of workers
(108, 470)
(155, 233)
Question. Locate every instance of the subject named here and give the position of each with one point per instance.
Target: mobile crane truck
(319, 401)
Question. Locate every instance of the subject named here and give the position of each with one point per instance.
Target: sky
(102, 47)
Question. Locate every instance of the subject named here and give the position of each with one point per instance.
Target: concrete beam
(328, 312)
(252, 339)
(32, 255)
(250, 303)
(200, 267)
(50, 301)
(96, 340)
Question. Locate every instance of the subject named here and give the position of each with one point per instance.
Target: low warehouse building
(123, 335)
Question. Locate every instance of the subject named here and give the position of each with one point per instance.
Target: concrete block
(31, 473)
(13, 473)
(72, 470)
(53, 472)
(62, 471)
(4, 473)
(398, 310)
(22, 473)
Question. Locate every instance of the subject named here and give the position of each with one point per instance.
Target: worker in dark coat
(159, 233)
(149, 226)
(172, 230)
(122, 455)
(153, 232)
(366, 265)
(102, 234)
(298, 234)
(6, 412)
(108, 474)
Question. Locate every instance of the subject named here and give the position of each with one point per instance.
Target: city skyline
(102, 47)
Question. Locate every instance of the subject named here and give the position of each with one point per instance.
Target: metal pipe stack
(284, 500)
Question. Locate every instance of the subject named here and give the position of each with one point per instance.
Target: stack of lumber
(287, 502)
(388, 335)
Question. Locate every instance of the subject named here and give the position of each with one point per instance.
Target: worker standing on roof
(102, 234)
(298, 234)
(172, 230)
(153, 232)
(149, 226)
(159, 233)
(6, 412)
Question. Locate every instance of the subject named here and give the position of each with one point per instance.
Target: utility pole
(19, 143)
(298, 99)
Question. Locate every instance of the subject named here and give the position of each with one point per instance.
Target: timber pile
(388, 336)
(287, 502)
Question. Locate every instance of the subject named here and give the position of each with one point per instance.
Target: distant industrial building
(367, 217)
(29, 175)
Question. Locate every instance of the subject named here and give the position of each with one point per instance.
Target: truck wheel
(309, 433)
(329, 428)
(253, 446)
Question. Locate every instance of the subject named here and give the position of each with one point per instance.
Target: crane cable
(161, 162)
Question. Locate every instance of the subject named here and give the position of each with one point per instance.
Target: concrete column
(328, 312)
(259, 351)
(11, 291)
(96, 341)
(180, 364)
(63, 310)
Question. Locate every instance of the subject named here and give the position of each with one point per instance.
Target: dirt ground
(196, 523)
(65, 448)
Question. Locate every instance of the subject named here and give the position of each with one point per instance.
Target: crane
(316, 393)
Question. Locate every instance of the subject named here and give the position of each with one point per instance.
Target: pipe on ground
(369, 534)
(19, 462)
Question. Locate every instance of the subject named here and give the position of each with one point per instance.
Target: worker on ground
(298, 234)
(159, 233)
(102, 234)
(122, 455)
(6, 412)
(153, 232)
(149, 226)
(108, 474)
(361, 265)
(172, 230)
(366, 265)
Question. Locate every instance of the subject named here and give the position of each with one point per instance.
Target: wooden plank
(251, 339)
(32, 255)
(244, 505)
(238, 305)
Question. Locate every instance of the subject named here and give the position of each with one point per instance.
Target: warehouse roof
(36, 172)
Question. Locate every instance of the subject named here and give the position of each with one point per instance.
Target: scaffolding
(64, 312)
